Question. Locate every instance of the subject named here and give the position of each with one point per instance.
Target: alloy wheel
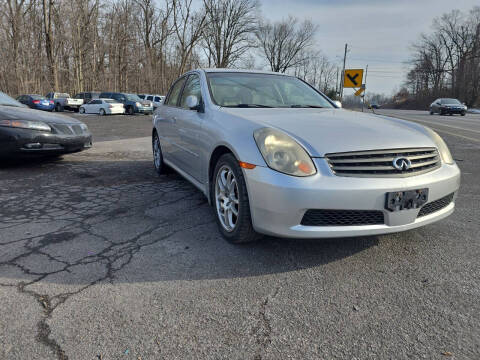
(157, 152)
(226, 198)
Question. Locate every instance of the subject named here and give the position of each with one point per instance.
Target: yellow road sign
(353, 78)
(359, 91)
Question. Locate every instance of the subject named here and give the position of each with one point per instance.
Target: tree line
(446, 61)
(144, 45)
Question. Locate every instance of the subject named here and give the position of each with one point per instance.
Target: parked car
(102, 107)
(132, 103)
(38, 102)
(87, 96)
(156, 100)
(275, 156)
(63, 101)
(448, 106)
(373, 105)
(27, 131)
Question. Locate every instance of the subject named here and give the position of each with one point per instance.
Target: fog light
(33, 146)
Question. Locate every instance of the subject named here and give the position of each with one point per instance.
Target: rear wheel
(82, 110)
(157, 154)
(58, 107)
(230, 200)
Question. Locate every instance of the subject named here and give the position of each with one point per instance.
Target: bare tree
(228, 30)
(282, 43)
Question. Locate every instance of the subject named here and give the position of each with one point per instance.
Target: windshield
(132, 97)
(450, 101)
(8, 101)
(262, 90)
(37, 97)
(61, 96)
(111, 101)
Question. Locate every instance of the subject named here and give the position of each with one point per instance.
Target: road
(102, 259)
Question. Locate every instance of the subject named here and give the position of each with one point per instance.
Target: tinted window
(150, 98)
(118, 97)
(192, 87)
(175, 92)
(141, 96)
(132, 97)
(157, 99)
(450, 101)
(263, 90)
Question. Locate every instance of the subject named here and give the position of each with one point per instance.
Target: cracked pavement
(102, 259)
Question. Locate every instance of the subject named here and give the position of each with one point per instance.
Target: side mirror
(337, 103)
(192, 102)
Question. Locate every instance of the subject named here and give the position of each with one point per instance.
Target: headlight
(282, 153)
(138, 104)
(25, 124)
(442, 147)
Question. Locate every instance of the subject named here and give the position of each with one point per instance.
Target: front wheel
(82, 110)
(431, 112)
(102, 112)
(129, 110)
(230, 201)
(58, 108)
(462, 113)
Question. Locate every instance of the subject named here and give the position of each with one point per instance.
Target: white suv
(156, 100)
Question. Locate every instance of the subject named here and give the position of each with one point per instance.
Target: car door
(165, 120)
(188, 127)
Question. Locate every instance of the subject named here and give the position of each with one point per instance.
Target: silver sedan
(275, 156)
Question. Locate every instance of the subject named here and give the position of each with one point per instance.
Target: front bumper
(453, 110)
(278, 202)
(15, 141)
(144, 110)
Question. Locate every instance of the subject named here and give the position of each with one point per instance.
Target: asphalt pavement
(100, 258)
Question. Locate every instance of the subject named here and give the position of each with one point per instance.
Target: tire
(442, 112)
(102, 112)
(228, 174)
(463, 113)
(82, 110)
(431, 112)
(129, 110)
(58, 108)
(158, 163)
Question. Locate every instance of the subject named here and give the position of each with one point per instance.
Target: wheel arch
(219, 150)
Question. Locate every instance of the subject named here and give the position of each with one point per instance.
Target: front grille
(77, 129)
(379, 163)
(435, 206)
(62, 129)
(316, 217)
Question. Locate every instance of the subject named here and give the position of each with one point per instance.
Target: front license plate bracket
(406, 200)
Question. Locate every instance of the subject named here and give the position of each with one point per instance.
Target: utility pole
(365, 89)
(343, 72)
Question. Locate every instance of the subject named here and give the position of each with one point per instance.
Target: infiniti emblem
(402, 163)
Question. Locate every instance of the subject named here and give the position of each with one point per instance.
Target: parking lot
(100, 258)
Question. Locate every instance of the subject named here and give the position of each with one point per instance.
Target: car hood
(323, 131)
(24, 113)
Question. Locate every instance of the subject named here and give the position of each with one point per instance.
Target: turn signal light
(246, 165)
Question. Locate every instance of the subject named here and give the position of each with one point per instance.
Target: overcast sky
(378, 32)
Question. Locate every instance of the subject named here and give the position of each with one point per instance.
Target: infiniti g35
(275, 156)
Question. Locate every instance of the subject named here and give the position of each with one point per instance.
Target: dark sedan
(38, 102)
(27, 131)
(447, 106)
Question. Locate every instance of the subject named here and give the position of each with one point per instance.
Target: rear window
(37, 97)
(157, 99)
(61, 96)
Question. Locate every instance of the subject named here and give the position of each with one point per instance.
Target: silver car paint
(278, 200)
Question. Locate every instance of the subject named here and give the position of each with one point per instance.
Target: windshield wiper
(306, 106)
(252, 106)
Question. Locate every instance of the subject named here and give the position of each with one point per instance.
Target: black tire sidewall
(243, 231)
(158, 170)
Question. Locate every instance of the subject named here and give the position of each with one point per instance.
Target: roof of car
(216, 70)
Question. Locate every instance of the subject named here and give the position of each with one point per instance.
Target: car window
(118, 97)
(141, 96)
(111, 101)
(61, 96)
(157, 99)
(192, 87)
(263, 90)
(150, 98)
(450, 101)
(132, 97)
(174, 93)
